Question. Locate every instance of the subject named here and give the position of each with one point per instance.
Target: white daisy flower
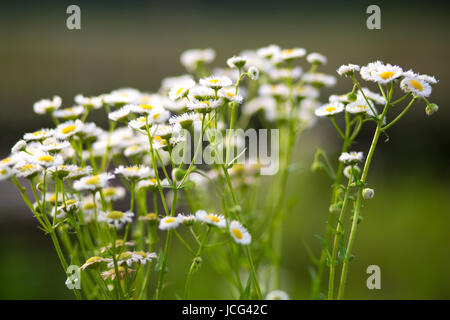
(416, 86)
(169, 223)
(348, 69)
(211, 218)
(319, 79)
(276, 90)
(113, 193)
(53, 145)
(190, 59)
(269, 51)
(316, 58)
(152, 183)
(121, 114)
(61, 170)
(68, 129)
(69, 113)
(375, 97)
(253, 73)
(116, 218)
(142, 257)
(89, 102)
(69, 205)
(5, 172)
(329, 109)
(216, 82)
(236, 62)
(204, 106)
(142, 108)
(187, 219)
(347, 169)
(134, 172)
(122, 96)
(360, 106)
(79, 172)
(134, 150)
(170, 82)
(112, 273)
(181, 90)
(20, 145)
(381, 73)
(277, 295)
(230, 95)
(92, 261)
(159, 115)
(46, 105)
(47, 160)
(11, 160)
(306, 91)
(239, 233)
(139, 123)
(351, 157)
(26, 170)
(38, 135)
(201, 93)
(185, 120)
(285, 73)
(93, 182)
(289, 54)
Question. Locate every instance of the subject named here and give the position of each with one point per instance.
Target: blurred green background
(137, 43)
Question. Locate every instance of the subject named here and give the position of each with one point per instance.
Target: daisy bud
(368, 193)
(178, 174)
(431, 108)
(21, 145)
(253, 73)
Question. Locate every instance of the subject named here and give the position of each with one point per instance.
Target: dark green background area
(137, 43)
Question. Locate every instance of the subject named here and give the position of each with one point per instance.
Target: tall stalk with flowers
(359, 107)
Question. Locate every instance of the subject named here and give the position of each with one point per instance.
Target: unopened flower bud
(368, 193)
(178, 174)
(431, 108)
(352, 96)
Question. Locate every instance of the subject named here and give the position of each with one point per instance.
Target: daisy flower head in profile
(142, 257)
(121, 97)
(79, 172)
(277, 295)
(71, 113)
(134, 172)
(416, 84)
(121, 114)
(239, 233)
(94, 182)
(95, 260)
(113, 193)
(187, 220)
(20, 145)
(352, 169)
(211, 218)
(204, 106)
(329, 109)
(216, 82)
(229, 94)
(116, 218)
(5, 172)
(54, 146)
(26, 170)
(181, 89)
(46, 105)
(361, 106)
(184, 120)
(68, 129)
(348, 69)
(236, 62)
(268, 51)
(369, 94)
(169, 222)
(288, 55)
(39, 135)
(316, 58)
(89, 102)
(193, 58)
(379, 72)
(351, 157)
(319, 79)
(201, 93)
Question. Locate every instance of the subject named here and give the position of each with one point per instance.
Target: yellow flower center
(115, 215)
(153, 180)
(68, 129)
(288, 51)
(416, 85)
(125, 255)
(70, 202)
(386, 75)
(93, 180)
(27, 167)
(156, 115)
(179, 91)
(230, 94)
(52, 198)
(213, 218)
(169, 220)
(46, 158)
(205, 102)
(6, 160)
(237, 233)
(89, 206)
(108, 192)
(213, 81)
(132, 169)
(146, 107)
(38, 133)
(93, 260)
(330, 109)
(141, 253)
